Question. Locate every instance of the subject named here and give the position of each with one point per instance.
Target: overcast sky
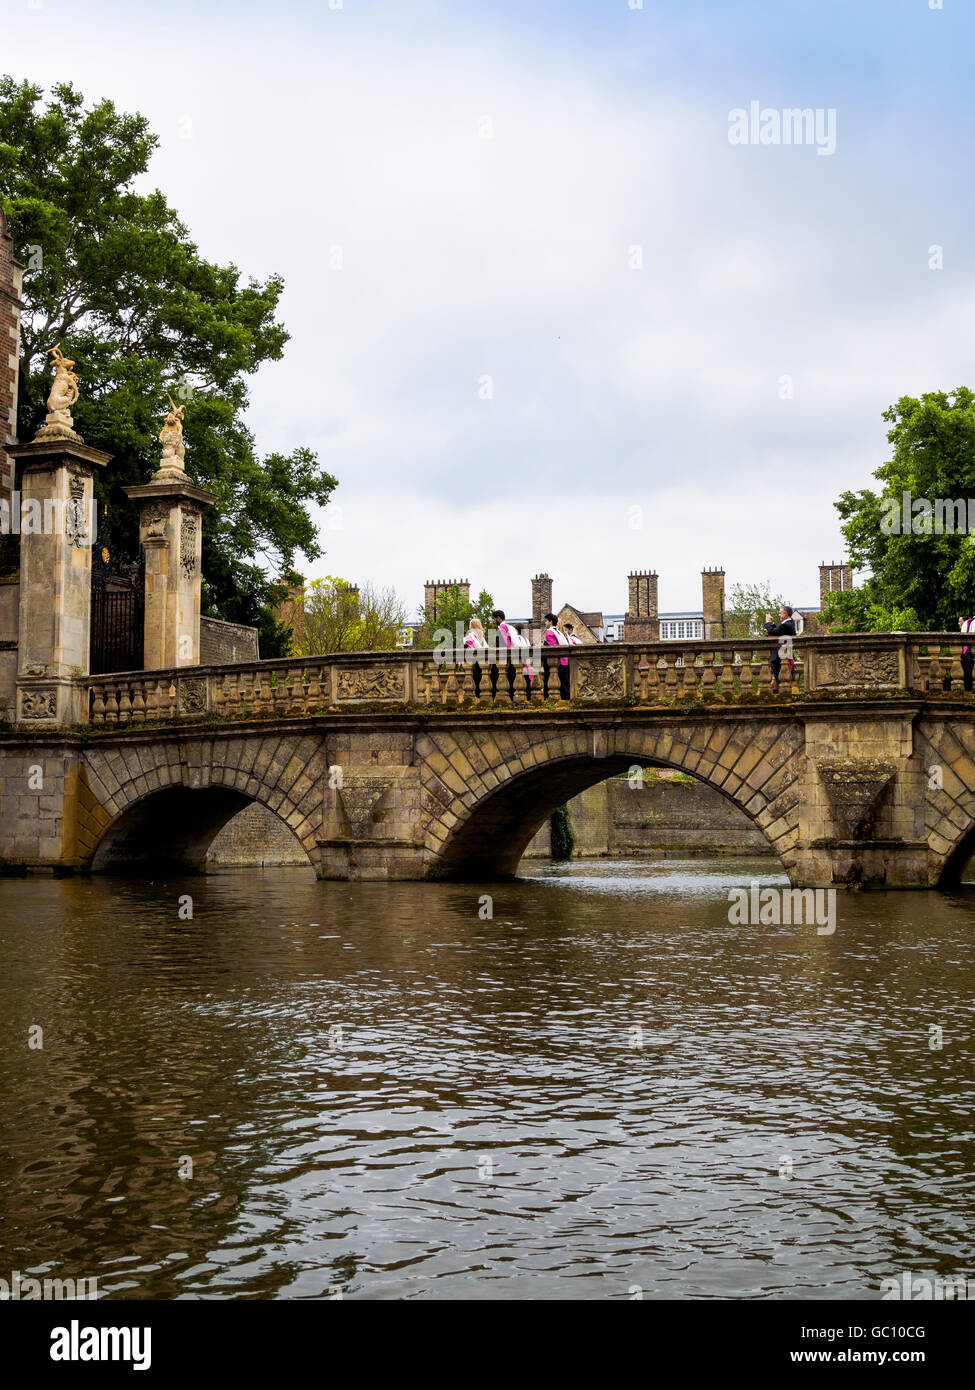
(497, 385)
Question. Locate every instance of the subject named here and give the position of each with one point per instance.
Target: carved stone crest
(192, 696)
(187, 543)
(858, 668)
(600, 680)
(154, 518)
(39, 704)
(372, 683)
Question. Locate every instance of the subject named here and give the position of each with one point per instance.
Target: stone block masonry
(227, 644)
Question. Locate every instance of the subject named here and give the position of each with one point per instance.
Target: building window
(682, 630)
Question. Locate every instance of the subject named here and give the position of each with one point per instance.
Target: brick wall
(10, 303)
(255, 838)
(226, 644)
(681, 817)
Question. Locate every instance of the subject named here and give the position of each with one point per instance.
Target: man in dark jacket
(785, 627)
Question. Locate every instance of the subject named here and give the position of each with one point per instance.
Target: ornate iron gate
(118, 602)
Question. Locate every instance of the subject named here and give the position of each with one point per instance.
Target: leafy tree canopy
(746, 607)
(113, 276)
(922, 573)
(333, 616)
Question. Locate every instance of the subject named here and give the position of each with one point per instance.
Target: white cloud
(508, 257)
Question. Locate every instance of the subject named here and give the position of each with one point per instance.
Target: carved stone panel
(187, 542)
(192, 696)
(371, 683)
(600, 680)
(154, 518)
(855, 788)
(857, 669)
(39, 704)
(75, 521)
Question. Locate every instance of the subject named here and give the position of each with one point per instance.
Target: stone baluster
(98, 703)
(256, 693)
(124, 703)
(450, 687)
(709, 679)
(799, 672)
(755, 664)
(669, 659)
(955, 672)
(171, 707)
(935, 672)
(520, 693)
(230, 694)
(643, 679)
(922, 666)
(465, 682)
(279, 693)
(313, 690)
(152, 701)
(536, 691)
(723, 672)
(785, 677)
(433, 683)
(291, 691)
(502, 694)
(138, 702)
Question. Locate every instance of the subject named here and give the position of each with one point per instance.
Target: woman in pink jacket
(555, 637)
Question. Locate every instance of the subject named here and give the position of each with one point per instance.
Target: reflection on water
(385, 1092)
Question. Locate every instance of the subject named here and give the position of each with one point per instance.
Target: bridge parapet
(646, 673)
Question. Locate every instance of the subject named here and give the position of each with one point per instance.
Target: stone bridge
(400, 765)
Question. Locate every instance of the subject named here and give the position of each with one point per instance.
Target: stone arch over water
(162, 802)
(502, 789)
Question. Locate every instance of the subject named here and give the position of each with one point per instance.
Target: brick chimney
(833, 577)
(432, 588)
(11, 272)
(712, 603)
(541, 599)
(641, 623)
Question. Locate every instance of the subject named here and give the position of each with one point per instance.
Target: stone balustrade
(646, 673)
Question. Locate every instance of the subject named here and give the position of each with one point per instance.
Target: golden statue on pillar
(63, 395)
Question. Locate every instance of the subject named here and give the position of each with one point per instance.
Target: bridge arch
(499, 791)
(160, 803)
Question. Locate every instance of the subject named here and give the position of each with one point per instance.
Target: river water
(604, 1088)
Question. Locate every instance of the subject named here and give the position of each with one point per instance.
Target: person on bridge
(555, 637)
(570, 633)
(967, 655)
(785, 627)
(512, 639)
(475, 638)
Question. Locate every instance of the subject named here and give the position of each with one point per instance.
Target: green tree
(333, 616)
(922, 574)
(746, 608)
(113, 276)
(453, 608)
(562, 837)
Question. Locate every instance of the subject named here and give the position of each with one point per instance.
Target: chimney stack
(641, 623)
(433, 588)
(712, 603)
(833, 577)
(541, 600)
